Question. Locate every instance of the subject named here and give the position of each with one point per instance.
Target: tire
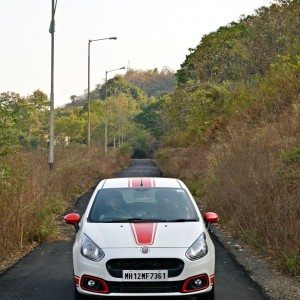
(207, 296)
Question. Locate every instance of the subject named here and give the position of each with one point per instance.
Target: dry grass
(251, 177)
(31, 196)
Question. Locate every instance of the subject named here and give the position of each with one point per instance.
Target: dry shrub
(31, 196)
(188, 164)
(252, 188)
(185, 163)
(251, 177)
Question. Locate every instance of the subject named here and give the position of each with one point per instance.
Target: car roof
(141, 182)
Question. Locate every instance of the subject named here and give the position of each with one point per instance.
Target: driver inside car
(114, 203)
(108, 203)
(113, 206)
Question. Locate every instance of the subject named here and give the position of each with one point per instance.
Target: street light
(106, 72)
(51, 130)
(88, 95)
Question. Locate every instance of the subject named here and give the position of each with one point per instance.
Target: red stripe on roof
(144, 233)
(147, 182)
(136, 182)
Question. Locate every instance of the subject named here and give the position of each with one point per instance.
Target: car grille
(145, 287)
(174, 266)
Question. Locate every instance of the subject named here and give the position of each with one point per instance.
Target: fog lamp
(91, 283)
(198, 282)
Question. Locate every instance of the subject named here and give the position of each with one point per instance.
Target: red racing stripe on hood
(144, 233)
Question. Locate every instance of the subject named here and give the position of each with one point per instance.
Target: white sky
(151, 34)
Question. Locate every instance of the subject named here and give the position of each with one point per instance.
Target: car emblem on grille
(145, 250)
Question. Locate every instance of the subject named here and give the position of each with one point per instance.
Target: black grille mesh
(145, 287)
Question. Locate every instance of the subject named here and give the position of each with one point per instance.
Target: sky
(151, 34)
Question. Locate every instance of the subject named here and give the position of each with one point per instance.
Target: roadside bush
(251, 178)
(126, 149)
(31, 196)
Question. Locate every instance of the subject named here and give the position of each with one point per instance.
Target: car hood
(131, 235)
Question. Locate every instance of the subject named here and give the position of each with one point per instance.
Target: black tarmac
(46, 272)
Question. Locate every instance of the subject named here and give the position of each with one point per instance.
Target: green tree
(151, 117)
(69, 128)
(23, 119)
(118, 85)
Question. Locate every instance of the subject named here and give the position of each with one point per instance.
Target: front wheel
(207, 296)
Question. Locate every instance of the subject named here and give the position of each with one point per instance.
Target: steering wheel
(118, 213)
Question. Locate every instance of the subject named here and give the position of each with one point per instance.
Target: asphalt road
(46, 272)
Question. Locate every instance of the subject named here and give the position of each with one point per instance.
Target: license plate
(145, 275)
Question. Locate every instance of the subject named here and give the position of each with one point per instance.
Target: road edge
(272, 283)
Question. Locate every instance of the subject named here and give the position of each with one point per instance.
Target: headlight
(199, 249)
(90, 250)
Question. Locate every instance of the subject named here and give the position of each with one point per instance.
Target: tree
(23, 119)
(118, 113)
(151, 117)
(117, 85)
(70, 128)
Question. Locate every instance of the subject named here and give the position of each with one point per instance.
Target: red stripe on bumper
(77, 280)
(212, 279)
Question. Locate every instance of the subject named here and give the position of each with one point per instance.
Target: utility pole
(106, 121)
(105, 130)
(88, 95)
(89, 81)
(51, 135)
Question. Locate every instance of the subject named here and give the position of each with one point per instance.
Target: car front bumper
(85, 270)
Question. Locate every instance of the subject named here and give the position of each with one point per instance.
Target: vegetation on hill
(130, 110)
(152, 82)
(137, 84)
(236, 112)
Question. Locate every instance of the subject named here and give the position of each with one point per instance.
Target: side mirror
(73, 219)
(210, 217)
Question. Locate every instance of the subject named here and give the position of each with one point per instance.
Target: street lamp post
(88, 94)
(106, 72)
(51, 131)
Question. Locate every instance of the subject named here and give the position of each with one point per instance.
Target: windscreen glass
(142, 205)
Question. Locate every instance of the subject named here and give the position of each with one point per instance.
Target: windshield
(142, 205)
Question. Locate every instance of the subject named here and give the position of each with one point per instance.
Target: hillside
(152, 82)
(236, 112)
(136, 83)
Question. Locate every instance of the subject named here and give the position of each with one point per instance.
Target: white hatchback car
(143, 237)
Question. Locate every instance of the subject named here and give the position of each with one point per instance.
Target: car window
(142, 205)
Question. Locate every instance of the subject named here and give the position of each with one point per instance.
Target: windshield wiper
(134, 220)
(140, 220)
(183, 220)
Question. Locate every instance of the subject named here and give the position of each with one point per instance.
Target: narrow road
(46, 272)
